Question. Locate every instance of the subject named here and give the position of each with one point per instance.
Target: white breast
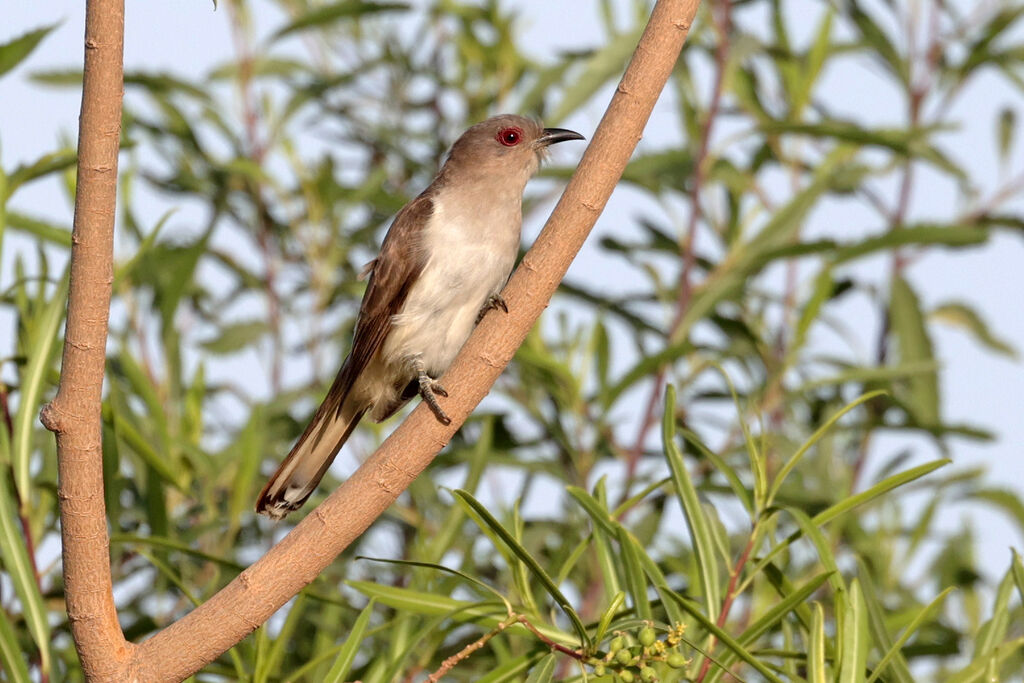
(470, 248)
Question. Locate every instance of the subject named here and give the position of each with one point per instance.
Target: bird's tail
(297, 477)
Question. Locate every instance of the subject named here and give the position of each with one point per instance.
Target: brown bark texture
(74, 414)
(250, 599)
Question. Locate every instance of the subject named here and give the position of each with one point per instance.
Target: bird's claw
(494, 302)
(428, 388)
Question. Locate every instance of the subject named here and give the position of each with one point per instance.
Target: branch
(260, 590)
(74, 414)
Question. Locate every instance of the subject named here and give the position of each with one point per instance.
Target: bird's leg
(428, 387)
(493, 302)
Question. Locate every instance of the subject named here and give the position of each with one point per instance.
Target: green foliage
(766, 535)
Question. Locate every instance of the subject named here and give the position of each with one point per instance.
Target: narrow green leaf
(343, 664)
(39, 228)
(977, 671)
(18, 567)
(41, 353)
(770, 619)
(1006, 127)
(898, 668)
(698, 525)
(530, 562)
(915, 345)
(919, 620)
(15, 51)
(817, 670)
(814, 438)
(544, 670)
(844, 506)
(13, 660)
(636, 583)
(608, 615)
(602, 66)
(727, 640)
(962, 315)
(853, 639)
(324, 15)
(1017, 567)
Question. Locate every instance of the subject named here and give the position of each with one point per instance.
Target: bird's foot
(493, 303)
(428, 388)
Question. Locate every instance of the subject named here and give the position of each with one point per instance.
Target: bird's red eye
(510, 137)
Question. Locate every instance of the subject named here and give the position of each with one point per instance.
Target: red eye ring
(511, 136)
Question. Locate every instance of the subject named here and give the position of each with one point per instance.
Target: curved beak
(552, 135)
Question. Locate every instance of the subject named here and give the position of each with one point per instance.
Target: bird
(441, 267)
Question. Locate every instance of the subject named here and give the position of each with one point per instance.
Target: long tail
(297, 477)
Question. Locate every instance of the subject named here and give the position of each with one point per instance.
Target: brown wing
(392, 275)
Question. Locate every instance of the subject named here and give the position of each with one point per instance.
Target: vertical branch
(74, 415)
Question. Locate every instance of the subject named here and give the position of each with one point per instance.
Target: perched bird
(446, 257)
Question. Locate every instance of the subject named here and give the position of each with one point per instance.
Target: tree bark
(251, 598)
(74, 415)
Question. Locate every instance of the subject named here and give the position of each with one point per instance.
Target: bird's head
(508, 145)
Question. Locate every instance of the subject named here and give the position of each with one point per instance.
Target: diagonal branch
(251, 598)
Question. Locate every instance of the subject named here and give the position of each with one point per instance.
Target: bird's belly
(443, 305)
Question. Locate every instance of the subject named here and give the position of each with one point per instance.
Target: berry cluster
(632, 658)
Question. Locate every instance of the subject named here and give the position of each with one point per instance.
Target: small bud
(623, 657)
(648, 674)
(647, 636)
(627, 676)
(618, 642)
(599, 669)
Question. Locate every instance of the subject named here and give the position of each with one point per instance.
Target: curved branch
(74, 415)
(251, 598)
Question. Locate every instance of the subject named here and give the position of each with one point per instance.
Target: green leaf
(18, 567)
(919, 620)
(915, 346)
(696, 522)
(39, 228)
(41, 348)
(15, 51)
(818, 433)
(44, 165)
(853, 636)
(770, 619)
(235, 337)
(961, 315)
(1006, 128)
(608, 615)
(817, 669)
(343, 664)
(979, 670)
(636, 583)
(535, 568)
(844, 506)
(912, 235)
(325, 15)
(544, 670)
(602, 66)
(738, 650)
(10, 652)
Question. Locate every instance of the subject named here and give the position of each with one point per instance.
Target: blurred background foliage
(675, 444)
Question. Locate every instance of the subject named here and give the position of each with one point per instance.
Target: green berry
(676, 660)
(627, 676)
(648, 674)
(618, 642)
(647, 636)
(623, 657)
(599, 669)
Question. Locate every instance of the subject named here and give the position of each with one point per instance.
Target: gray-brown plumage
(446, 256)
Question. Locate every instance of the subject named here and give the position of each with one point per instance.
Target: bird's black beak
(552, 135)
